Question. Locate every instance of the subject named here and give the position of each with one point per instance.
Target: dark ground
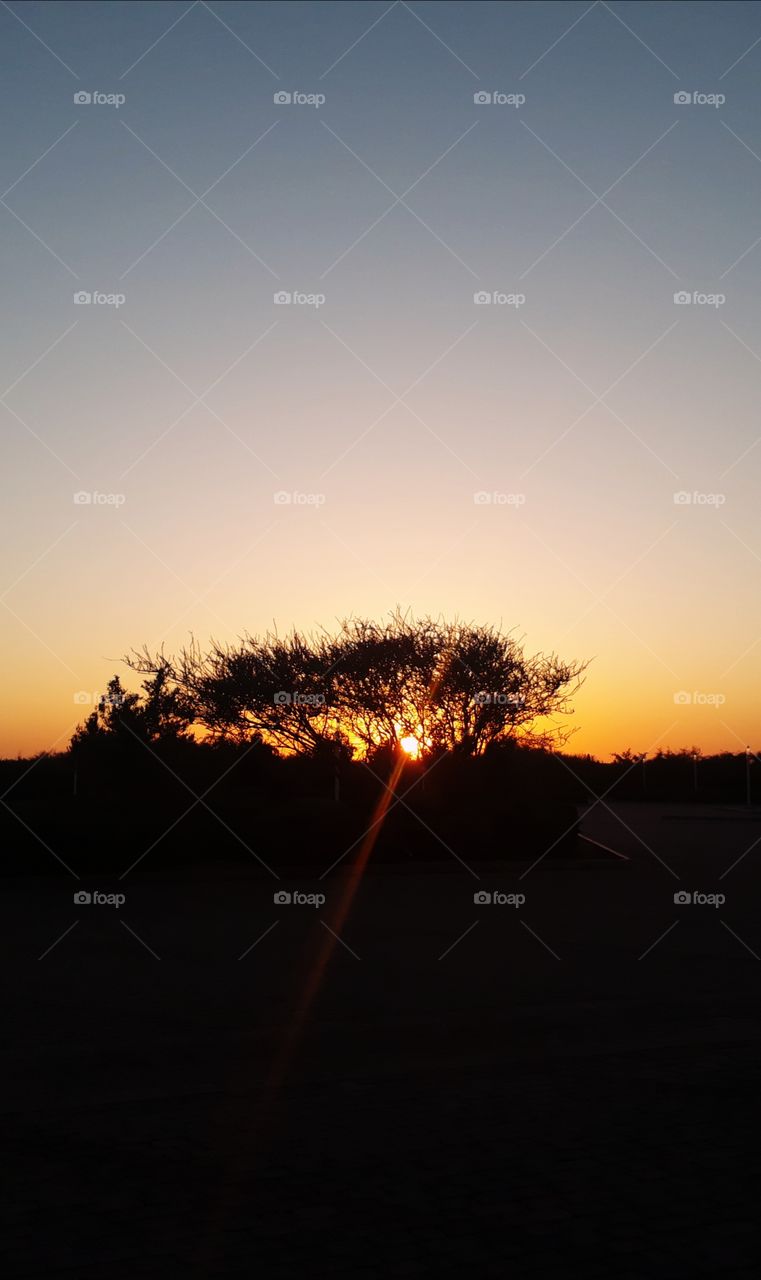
(569, 1086)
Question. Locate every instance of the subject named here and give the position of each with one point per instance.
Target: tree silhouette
(161, 713)
(450, 686)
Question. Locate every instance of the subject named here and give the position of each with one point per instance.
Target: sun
(410, 746)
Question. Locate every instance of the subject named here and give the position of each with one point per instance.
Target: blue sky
(383, 410)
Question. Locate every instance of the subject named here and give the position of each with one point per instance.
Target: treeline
(120, 799)
(285, 748)
(282, 751)
(116, 798)
(685, 776)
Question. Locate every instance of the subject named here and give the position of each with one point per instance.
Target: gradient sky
(598, 560)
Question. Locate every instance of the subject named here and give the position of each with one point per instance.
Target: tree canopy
(444, 686)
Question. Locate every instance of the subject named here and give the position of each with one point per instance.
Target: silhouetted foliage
(117, 797)
(450, 686)
(216, 749)
(161, 714)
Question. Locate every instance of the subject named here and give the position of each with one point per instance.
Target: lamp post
(748, 763)
(695, 772)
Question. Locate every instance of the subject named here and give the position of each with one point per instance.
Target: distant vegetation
(283, 749)
(118, 796)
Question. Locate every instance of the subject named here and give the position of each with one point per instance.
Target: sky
(182, 454)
